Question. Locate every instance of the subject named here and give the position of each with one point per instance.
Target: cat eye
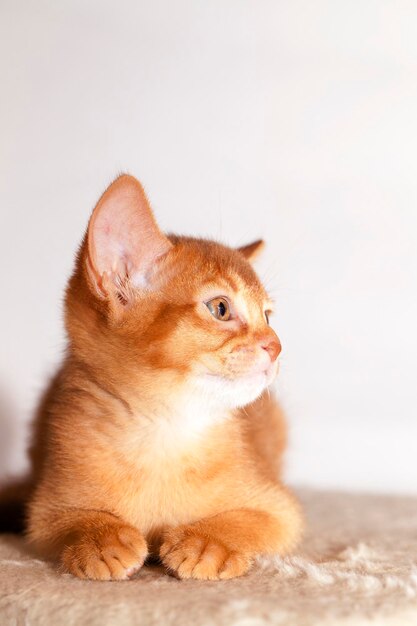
(267, 314)
(219, 308)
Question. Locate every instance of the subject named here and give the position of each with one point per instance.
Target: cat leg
(225, 545)
(90, 544)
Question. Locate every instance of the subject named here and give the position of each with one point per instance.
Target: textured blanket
(357, 566)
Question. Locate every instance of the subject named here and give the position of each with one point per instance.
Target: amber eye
(267, 314)
(219, 308)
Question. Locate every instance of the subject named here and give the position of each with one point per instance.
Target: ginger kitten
(142, 446)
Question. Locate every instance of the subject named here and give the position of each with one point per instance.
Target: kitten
(142, 446)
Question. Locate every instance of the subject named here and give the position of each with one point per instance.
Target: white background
(296, 121)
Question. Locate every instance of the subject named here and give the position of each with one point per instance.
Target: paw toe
(235, 565)
(109, 554)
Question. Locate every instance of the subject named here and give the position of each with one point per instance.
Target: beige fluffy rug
(357, 566)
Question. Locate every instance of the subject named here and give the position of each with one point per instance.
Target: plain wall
(295, 121)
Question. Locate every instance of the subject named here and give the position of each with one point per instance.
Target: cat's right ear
(124, 242)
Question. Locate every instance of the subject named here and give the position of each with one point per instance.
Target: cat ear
(123, 241)
(252, 250)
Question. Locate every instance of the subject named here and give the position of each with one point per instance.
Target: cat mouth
(266, 375)
(233, 392)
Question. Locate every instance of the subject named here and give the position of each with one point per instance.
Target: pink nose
(273, 348)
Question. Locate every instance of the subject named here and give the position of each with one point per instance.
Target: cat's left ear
(252, 250)
(124, 243)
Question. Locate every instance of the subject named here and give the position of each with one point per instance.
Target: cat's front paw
(192, 555)
(110, 552)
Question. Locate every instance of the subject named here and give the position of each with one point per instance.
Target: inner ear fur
(124, 241)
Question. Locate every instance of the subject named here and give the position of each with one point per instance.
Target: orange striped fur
(156, 436)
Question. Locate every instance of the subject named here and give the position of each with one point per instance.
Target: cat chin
(221, 392)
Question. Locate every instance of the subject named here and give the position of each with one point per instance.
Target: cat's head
(176, 313)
